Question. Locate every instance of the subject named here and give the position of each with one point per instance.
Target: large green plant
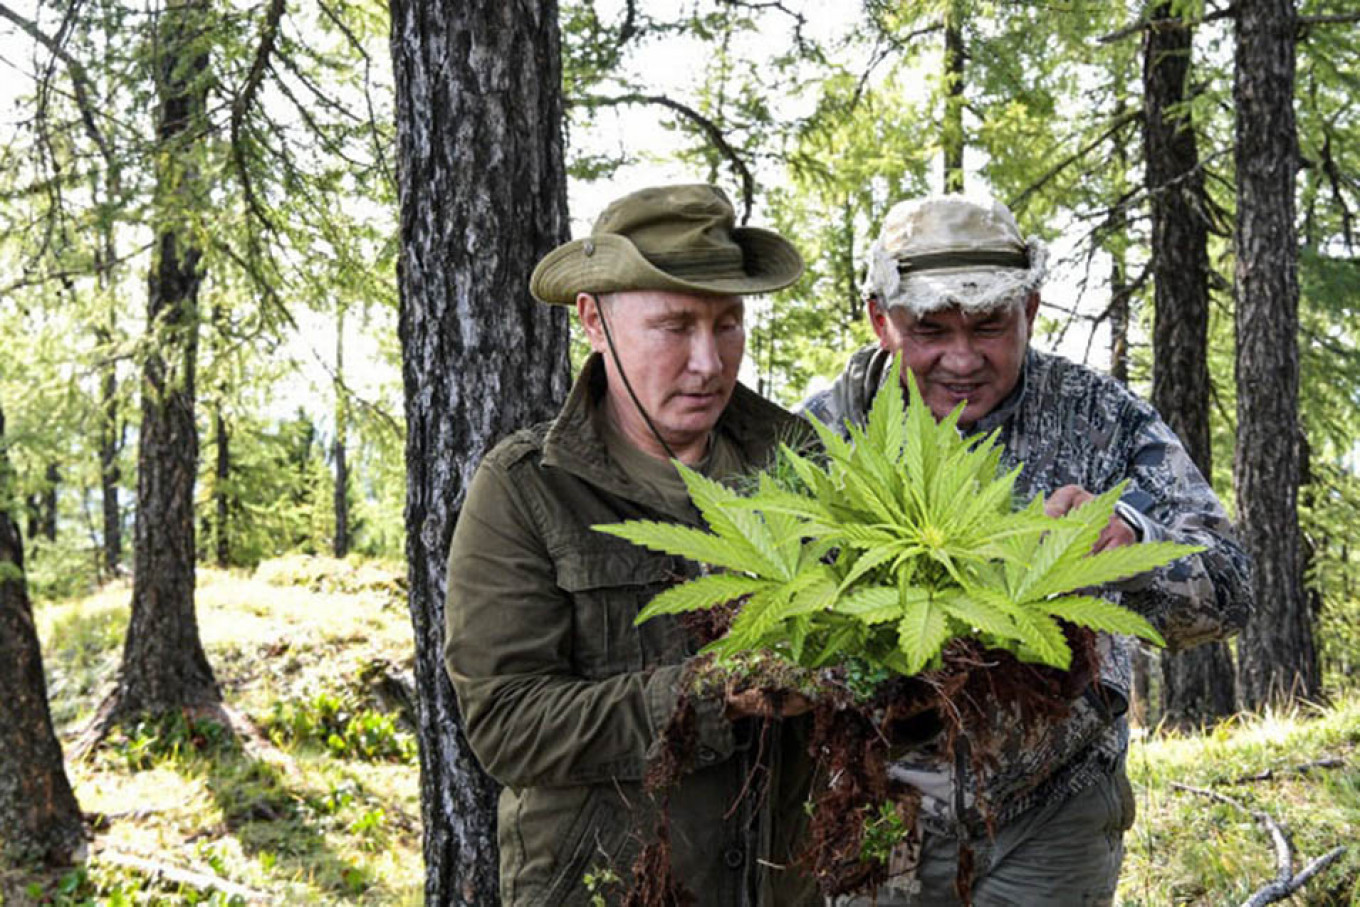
(904, 538)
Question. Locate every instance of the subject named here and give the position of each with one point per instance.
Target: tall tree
(1197, 686)
(1277, 659)
(340, 541)
(164, 666)
(482, 188)
(39, 816)
(952, 136)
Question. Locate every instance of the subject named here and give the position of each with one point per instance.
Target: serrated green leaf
(975, 611)
(1100, 614)
(1043, 634)
(699, 593)
(683, 541)
(871, 604)
(922, 631)
(744, 530)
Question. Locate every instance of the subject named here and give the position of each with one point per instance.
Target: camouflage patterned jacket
(1067, 425)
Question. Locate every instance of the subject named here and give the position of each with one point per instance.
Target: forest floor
(317, 654)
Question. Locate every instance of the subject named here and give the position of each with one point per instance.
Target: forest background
(264, 280)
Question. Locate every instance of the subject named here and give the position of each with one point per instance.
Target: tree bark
(1197, 685)
(164, 666)
(1277, 658)
(110, 445)
(39, 816)
(340, 546)
(483, 197)
(951, 136)
(221, 489)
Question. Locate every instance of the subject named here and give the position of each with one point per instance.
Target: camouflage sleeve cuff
(1142, 527)
(716, 735)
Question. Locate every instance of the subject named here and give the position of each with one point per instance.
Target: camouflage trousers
(1057, 854)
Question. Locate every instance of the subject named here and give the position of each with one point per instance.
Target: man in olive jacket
(563, 697)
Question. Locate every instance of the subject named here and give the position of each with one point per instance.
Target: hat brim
(609, 263)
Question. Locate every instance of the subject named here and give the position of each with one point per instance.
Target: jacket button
(707, 755)
(734, 858)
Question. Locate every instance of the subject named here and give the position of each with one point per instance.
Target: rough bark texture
(39, 816)
(483, 197)
(164, 666)
(1277, 659)
(952, 133)
(1197, 685)
(110, 445)
(340, 546)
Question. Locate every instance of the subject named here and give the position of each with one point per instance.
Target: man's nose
(961, 356)
(704, 356)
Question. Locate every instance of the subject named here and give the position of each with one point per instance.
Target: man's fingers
(1068, 497)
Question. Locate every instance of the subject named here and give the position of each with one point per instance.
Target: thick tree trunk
(39, 816)
(340, 545)
(164, 666)
(951, 136)
(483, 197)
(1277, 659)
(1197, 686)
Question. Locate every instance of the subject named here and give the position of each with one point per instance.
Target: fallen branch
(1270, 774)
(1286, 881)
(200, 881)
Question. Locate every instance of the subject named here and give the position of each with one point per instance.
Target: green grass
(331, 813)
(327, 812)
(1188, 849)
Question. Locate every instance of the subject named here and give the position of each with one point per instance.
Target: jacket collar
(573, 443)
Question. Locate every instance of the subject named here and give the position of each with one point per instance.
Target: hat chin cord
(613, 352)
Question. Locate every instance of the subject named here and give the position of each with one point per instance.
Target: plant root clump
(654, 880)
(951, 710)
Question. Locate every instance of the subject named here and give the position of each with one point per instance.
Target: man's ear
(1031, 312)
(588, 310)
(878, 319)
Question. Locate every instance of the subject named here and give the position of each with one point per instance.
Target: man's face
(680, 352)
(959, 356)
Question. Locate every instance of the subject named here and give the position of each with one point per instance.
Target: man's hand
(1069, 497)
(760, 704)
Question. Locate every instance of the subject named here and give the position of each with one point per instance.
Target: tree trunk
(110, 444)
(1277, 659)
(39, 816)
(164, 666)
(483, 197)
(47, 523)
(1197, 686)
(221, 488)
(951, 136)
(341, 539)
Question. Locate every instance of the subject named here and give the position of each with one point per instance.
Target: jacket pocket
(594, 841)
(609, 581)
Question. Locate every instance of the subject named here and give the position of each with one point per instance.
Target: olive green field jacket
(563, 698)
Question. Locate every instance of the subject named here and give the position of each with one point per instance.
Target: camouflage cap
(950, 250)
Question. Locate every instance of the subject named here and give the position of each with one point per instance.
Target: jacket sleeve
(508, 634)
(1200, 598)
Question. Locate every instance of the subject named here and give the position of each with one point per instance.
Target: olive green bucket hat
(678, 238)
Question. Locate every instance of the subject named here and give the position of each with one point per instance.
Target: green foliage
(342, 727)
(882, 833)
(904, 540)
(169, 738)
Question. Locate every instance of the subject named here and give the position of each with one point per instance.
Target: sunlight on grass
(1188, 849)
(332, 815)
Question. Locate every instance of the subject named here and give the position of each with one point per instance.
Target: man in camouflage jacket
(954, 289)
(563, 697)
